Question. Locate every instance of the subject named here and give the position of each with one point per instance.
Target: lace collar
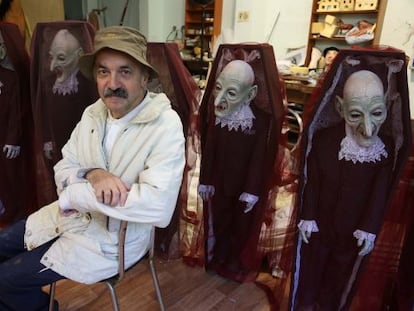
(241, 118)
(351, 151)
(67, 87)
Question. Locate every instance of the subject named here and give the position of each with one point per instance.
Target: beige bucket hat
(119, 38)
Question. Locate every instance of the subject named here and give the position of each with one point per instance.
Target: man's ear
(252, 93)
(145, 77)
(339, 104)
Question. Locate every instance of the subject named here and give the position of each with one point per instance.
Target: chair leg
(52, 296)
(114, 297)
(156, 283)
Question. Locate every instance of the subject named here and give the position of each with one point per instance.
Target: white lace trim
(241, 118)
(67, 87)
(351, 151)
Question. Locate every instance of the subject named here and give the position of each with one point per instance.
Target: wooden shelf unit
(348, 17)
(194, 20)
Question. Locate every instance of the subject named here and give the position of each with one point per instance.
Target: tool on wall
(121, 23)
(273, 27)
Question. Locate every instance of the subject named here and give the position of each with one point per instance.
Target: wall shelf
(348, 17)
(194, 22)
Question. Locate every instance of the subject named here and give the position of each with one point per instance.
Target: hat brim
(87, 62)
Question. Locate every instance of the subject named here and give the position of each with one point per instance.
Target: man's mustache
(119, 92)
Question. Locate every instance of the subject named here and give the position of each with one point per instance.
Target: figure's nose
(368, 127)
(219, 98)
(52, 64)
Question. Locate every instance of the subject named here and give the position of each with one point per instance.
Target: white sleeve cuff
(205, 188)
(249, 198)
(360, 234)
(308, 225)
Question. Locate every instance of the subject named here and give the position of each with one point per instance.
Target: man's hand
(109, 189)
(11, 151)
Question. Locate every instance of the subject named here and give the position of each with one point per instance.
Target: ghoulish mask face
(64, 53)
(363, 107)
(233, 87)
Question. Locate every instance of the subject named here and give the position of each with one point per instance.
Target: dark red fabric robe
(363, 286)
(55, 115)
(240, 161)
(16, 184)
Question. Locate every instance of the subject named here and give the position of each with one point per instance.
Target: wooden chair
(112, 282)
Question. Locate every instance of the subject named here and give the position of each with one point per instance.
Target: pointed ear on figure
(252, 93)
(339, 104)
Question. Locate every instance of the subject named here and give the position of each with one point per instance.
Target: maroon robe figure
(344, 196)
(59, 91)
(239, 162)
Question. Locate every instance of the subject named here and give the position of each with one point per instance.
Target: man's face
(233, 87)
(64, 54)
(363, 107)
(121, 81)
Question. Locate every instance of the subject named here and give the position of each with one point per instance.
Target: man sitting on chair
(124, 161)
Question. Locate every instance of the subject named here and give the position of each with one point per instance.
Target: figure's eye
(217, 89)
(378, 113)
(354, 115)
(232, 93)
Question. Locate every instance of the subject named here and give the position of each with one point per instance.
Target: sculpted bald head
(233, 87)
(64, 54)
(363, 106)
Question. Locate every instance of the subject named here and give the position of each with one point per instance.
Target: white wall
(154, 18)
(395, 30)
(291, 29)
(160, 16)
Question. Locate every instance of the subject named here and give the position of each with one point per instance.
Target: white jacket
(148, 155)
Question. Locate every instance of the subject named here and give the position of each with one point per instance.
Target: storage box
(329, 31)
(317, 27)
(347, 5)
(328, 6)
(331, 20)
(299, 70)
(366, 5)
